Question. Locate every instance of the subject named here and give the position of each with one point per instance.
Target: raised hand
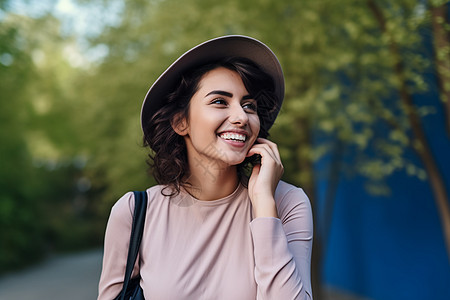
(264, 178)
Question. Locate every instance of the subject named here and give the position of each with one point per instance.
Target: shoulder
(286, 190)
(291, 200)
(125, 205)
(158, 191)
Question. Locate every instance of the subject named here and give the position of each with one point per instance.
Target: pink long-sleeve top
(194, 249)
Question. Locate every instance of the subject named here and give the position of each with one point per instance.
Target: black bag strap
(140, 208)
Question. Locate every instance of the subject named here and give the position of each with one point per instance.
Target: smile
(232, 136)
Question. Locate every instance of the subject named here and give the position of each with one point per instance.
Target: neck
(209, 181)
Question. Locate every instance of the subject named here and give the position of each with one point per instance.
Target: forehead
(221, 78)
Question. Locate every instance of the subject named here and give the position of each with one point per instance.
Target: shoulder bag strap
(140, 208)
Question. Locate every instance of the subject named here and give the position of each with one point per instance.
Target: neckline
(226, 199)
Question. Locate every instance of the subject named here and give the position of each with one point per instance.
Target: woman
(211, 230)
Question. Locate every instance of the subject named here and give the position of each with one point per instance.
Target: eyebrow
(227, 94)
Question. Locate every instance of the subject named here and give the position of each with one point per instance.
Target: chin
(235, 161)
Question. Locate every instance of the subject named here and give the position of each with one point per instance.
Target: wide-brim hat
(210, 51)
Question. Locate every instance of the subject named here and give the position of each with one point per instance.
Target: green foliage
(336, 59)
(37, 169)
(17, 209)
(56, 113)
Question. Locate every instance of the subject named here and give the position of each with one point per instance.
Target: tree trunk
(441, 44)
(420, 143)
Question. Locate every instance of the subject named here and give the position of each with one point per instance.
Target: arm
(282, 249)
(117, 240)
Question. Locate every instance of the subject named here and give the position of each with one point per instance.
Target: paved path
(71, 277)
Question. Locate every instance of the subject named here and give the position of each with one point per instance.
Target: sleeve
(282, 249)
(117, 240)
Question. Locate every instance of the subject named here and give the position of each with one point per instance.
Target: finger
(272, 150)
(272, 146)
(267, 161)
(263, 150)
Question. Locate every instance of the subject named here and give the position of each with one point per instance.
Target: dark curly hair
(168, 161)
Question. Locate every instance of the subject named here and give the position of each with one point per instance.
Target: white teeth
(233, 136)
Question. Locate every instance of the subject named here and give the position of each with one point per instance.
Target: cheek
(255, 124)
(203, 125)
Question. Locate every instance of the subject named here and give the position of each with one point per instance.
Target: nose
(237, 115)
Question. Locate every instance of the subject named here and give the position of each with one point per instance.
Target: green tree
(349, 65)
(40, 207)
(404, 70)
(441, 32)
(17, 209)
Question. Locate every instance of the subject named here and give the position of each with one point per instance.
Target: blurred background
(364, 129)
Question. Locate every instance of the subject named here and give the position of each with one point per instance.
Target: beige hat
(210, 51)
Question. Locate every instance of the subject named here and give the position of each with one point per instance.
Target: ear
(179, 124)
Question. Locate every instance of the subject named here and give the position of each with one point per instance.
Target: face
(223, 122)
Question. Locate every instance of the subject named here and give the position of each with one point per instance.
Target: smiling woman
(214, 113)
(169, 145)
(213, 230)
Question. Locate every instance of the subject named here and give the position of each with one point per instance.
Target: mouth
(233, 136)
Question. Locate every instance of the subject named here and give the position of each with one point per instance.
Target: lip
(243, 132)
(235, 143)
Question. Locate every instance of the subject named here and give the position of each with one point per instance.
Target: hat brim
(209, 51)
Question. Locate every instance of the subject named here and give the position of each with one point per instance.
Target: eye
(220, 101)
(249, 106)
